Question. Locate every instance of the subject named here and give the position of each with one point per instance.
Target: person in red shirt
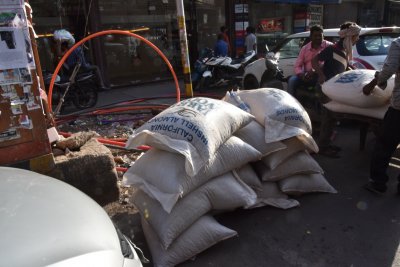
(305, 74)
(224, 31)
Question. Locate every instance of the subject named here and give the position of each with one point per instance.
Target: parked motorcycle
(80, 90)
(200, 66)
(309, 98)
(264, 72)
(223, 71)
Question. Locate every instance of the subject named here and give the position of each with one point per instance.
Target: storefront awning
(302, 1)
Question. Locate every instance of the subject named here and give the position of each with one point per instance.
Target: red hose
(116, 109)
(110, 141)
(66, 55)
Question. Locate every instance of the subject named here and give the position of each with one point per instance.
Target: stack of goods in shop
(203, 161)
(345, 91)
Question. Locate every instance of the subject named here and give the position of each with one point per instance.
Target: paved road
(351, 228)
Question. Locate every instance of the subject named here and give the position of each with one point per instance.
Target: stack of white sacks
(345, 91)
(205, 157)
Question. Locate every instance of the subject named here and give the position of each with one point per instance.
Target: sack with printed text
(194, 127)
(279, 112)
(347, 88)
(161, 174)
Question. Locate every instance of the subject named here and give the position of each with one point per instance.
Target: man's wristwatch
(376, 74)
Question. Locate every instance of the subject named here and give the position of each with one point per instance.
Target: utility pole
(184, 48)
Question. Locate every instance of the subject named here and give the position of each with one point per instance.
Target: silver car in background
(46, 222)
(369, 53)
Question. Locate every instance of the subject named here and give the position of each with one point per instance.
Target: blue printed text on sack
(189, 133)
(201, 105)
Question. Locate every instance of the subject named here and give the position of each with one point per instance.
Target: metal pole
(184, 48)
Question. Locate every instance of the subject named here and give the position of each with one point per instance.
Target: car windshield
(375, 44)
(290, 48)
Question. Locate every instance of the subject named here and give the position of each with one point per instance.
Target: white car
(368, 53)
(46, 222)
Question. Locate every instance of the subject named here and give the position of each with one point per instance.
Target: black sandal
(329, 152)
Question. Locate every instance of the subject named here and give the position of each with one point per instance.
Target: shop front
(122, 59)
(274, 20)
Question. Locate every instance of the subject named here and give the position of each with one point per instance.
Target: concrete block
(91, 170)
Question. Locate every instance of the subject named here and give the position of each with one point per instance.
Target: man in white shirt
(250, 43)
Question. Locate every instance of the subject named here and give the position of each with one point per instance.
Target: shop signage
(241, 8)
(301, 21)
(271, 25)
(304, 19)
(241, 23)
(316, 14)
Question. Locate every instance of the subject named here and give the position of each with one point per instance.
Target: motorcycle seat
(62, 85)
(238, 62)
(84, 76)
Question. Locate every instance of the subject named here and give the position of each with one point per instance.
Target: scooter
(223, 71)
(264, 72)
(80, 90)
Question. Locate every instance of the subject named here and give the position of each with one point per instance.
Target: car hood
(44, 221)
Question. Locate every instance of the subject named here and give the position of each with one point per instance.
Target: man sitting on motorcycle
(77, 56)
(305, 75)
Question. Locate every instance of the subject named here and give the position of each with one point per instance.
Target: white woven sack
(299, 163)
(305, 183)
(224, 192)
(201, 235)
(248, 176)
(278, 111)
(346, 88)
(376, 112)
(271, 195)
(161, 174)
(194, 127)
(254, 134)
(293, 145)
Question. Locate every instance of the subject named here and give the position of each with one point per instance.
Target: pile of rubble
(91, 166)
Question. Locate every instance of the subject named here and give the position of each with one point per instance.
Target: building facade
(125, 60)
